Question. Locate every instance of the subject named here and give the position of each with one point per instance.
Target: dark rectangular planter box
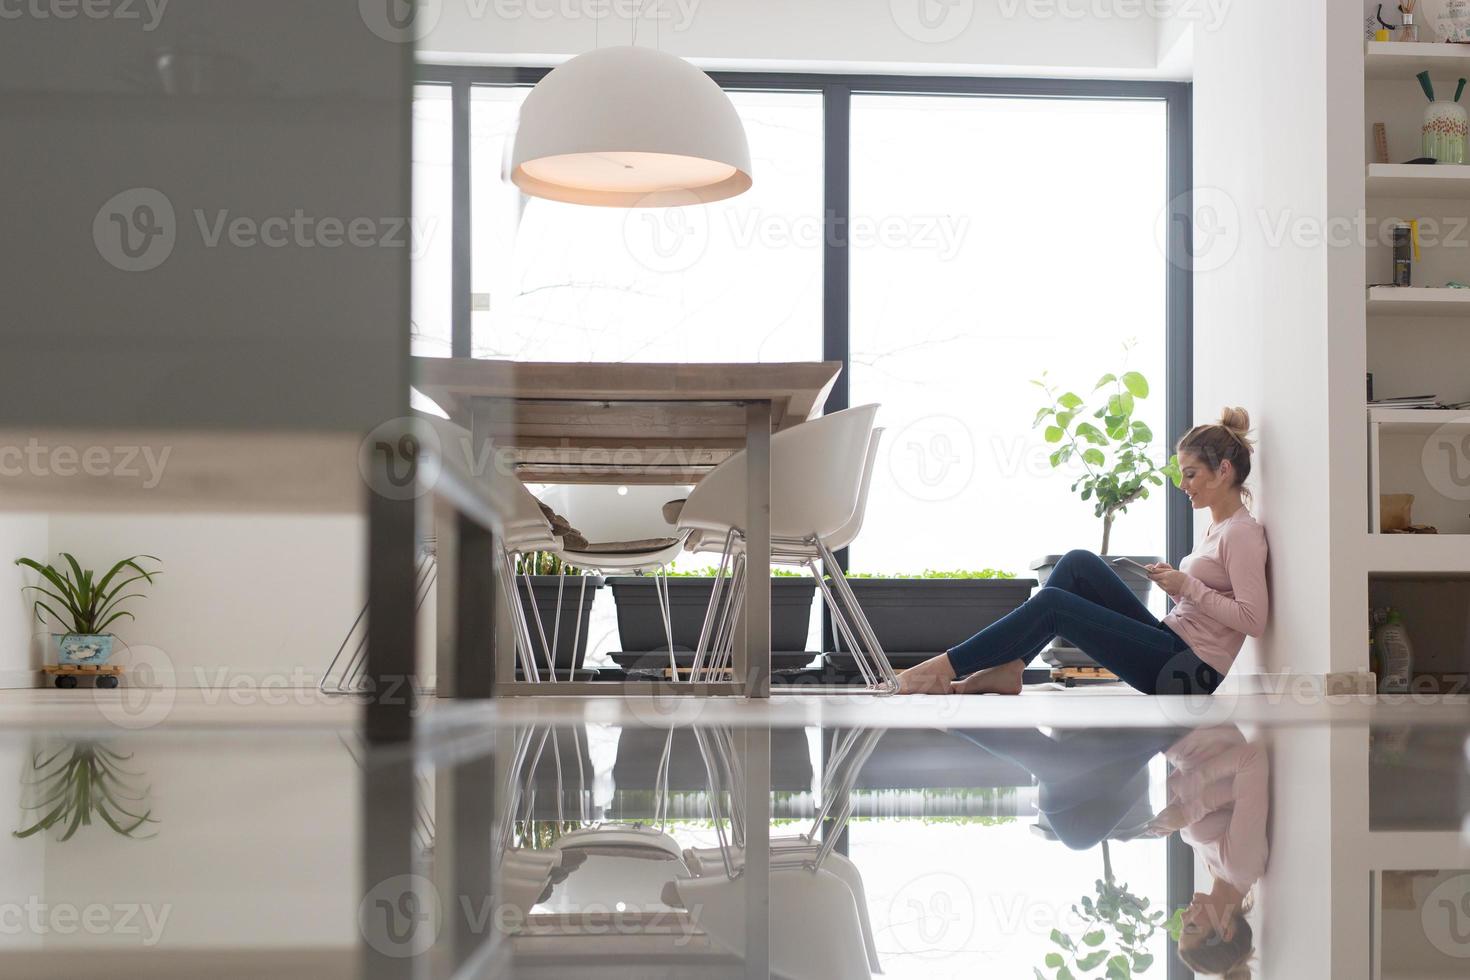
(641, 627)
(930, 615)
(545, 589)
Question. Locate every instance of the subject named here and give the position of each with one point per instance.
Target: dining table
(625, 423)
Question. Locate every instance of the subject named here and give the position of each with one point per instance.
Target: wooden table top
(600, 422)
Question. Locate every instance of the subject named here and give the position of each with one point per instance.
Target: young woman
(1219, 596)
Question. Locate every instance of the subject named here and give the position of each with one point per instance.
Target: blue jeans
(1085, 602)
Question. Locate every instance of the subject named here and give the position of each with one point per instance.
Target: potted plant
(1114, 450)
(564, 595)
(641, 627)
(85, 605)
(917, 616)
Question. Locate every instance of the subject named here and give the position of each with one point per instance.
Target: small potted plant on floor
(641, 628)
(564, 596)
(1114, 449)
(917, 616)
(85, 605)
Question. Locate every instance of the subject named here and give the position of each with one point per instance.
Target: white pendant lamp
(629, 127)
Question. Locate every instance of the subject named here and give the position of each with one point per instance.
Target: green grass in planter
(709, 572)
(979, 573)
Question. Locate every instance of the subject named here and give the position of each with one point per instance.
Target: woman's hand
(1168, 578)
(1168, 820)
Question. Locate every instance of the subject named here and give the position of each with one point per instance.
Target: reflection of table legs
(753, 645)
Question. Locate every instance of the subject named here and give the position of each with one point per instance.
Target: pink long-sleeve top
(1224, 598)
(1221, 784)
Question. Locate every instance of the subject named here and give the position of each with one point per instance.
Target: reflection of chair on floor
(818, 914)
(1091, 785)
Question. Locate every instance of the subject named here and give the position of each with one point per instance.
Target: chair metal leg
(577, 635)
(661, 592)
(888, 680)
(839, 623)
(540, 627)
(705, 635)
(725, 648)
(525, 649)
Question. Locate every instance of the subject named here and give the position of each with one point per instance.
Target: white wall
(265, 597)
(1038, 37)
(1279, 320)
(21, 536)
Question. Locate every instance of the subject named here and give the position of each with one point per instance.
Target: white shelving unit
(1418, 301)
(1399, 421)
(1411, 357)
(1405, 59)
(1418, 553)
(1419, 180)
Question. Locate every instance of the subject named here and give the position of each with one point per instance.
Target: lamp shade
(630, 127)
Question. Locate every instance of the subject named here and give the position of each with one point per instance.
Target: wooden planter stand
(66, 674)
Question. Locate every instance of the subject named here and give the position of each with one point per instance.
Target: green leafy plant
(544, 563)
(89, 603)
(1115, 918)
(81, 780)
(938, 573)
(1114, 450)
(708, 571)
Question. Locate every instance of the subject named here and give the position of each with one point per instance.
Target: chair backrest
(846, 534)
(816, 474)
(614, 512)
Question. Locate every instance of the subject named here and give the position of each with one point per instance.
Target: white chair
(820, 473)
(626, 534)
(526, 532)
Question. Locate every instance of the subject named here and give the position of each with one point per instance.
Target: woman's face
(1206, 917)
(1202, 485)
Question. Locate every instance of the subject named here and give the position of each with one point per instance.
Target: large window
(994, 239)
(986, 231)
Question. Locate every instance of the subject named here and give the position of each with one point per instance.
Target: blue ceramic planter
(84, 648)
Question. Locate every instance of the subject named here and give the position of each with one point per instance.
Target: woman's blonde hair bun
(1238, 421)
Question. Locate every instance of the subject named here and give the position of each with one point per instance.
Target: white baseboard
(20, 679)
(1345, 682)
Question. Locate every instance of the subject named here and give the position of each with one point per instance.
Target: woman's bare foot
(1005, 679)
(933, 676)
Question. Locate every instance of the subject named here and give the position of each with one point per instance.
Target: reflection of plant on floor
(1116, 917)
(81, 780)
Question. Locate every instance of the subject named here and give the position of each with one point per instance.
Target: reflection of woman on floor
(1219, 597)
(1218, 801)
(1090, 783)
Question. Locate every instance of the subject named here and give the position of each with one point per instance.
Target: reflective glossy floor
(804, 839)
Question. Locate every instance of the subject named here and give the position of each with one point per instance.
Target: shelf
(1418, 301)
(1433, 553)
(1426, 180)
(1403, 421)
(1405, 59)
